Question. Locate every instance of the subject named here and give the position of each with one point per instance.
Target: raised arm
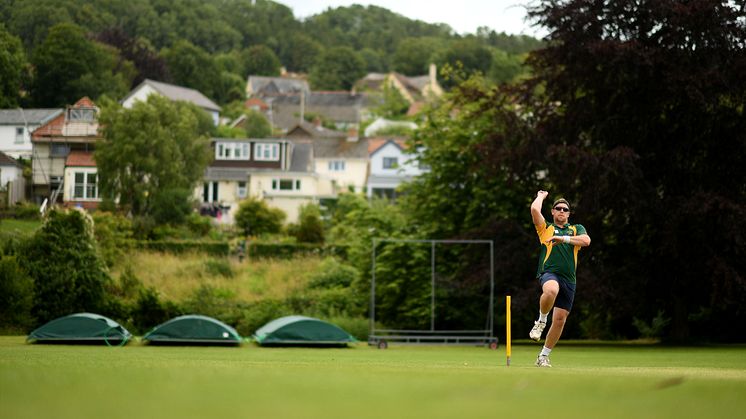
(536, 208)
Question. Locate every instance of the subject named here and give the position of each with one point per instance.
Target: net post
(508, 349)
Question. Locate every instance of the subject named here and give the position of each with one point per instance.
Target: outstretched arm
(536, 208)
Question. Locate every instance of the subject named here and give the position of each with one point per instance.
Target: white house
(16, 126)
(173, 92)
(390, 165)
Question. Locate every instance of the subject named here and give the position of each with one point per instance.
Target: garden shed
(301, 330)
(81, 328)
(193, 329)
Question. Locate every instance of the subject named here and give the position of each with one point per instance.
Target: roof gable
(176, 93)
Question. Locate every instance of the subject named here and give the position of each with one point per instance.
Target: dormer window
(267, 151)
(231, 151)
(81, 115)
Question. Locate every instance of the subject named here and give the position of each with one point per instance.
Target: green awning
(81, 328)
(301, 330)
(194, 329)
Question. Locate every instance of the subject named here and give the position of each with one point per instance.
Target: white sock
(545, 351)
(543, 317)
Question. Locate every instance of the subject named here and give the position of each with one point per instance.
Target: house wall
(355, 175)
(405, 168)
(8, 144)
(69, 187)
(9, 174)
(260, 186)
(44, 166)
(140, 95)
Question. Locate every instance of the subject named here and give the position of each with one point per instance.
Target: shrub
(114, 235)
(142, 227)
(215, 302)
(16, 296)
(359, 327)
(257, 314)
(69, 275)
(325, 302)
(219, 267)
(182, 246)
(290, 250)
(254, 217)
(310, 228)
(171, 206)
(198, 224)
(333, 274)
(26, 211)
(149, 311)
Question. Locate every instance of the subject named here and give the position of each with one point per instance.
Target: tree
(12, 67)
(414, 55)
(69, 66)
(338, 68)
(467, 54)
(256, 124)
(300, 52)
(191, 66)
(662, 82)
(393, 105)
(310, 226)
(260, 61)
(69, 275)
(254, 217)
(155, 147)
(147, 62)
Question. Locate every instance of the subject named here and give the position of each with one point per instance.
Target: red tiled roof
(376, 143)
(80, 159)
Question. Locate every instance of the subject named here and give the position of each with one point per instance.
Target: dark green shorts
(566, 294)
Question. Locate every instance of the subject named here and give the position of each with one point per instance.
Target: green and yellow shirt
(558, 258)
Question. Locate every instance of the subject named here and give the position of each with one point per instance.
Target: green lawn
(23, 226)
(401, 382)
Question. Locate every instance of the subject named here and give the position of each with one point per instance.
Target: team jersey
(558, 258)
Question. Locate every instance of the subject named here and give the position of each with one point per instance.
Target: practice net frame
(381, 337)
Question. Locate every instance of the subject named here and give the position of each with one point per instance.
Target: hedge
(214, 248)
(290, 250)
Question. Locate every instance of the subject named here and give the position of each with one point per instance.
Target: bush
(142, 227)
(257, 314)
(358, 327)
(329, 302)
(291, 250)
(16, 296)
(149, 311)
(182, 246)
(171, 206)
(198, 224)
(69, 275)
(215, 302)
(26, 211)
(310, 228)
(333, 274)
(114, 235)
(254, 217)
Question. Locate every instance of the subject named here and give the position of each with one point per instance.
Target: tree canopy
(157, 146)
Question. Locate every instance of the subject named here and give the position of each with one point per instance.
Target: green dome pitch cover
(81, 328)
(301, 330)
(194, 329)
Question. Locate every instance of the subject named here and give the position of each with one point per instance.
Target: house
(341, 166)
(390, 166)
(12, 182)
(313, 130)
(261, 87)
(173, 92)
(16, 126)
(343, 110)
(415, 90)
(62, 157)
(280, 171)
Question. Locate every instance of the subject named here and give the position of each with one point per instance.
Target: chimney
(433, 74)
(352, 134)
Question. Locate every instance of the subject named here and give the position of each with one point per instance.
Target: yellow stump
(507, 328)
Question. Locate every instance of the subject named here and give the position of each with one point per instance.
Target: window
(285, 184)
(59, 150)
(267, 151)
(81, 115)
(19, 135)
(337, 166)
(86, 185)
(241, 192)
(390, 163)
(231, 151)
(210, 192)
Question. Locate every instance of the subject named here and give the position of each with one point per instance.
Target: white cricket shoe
(537, 330)
(543, 361)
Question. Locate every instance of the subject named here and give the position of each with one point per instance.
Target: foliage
(221, 267)
(467, 54)
(214, 302)
(139, 52)
(337, 68)
(299, 52)
(258, 60)
(16, 295)
(259, 313)
(13, 64)
(113, 234)
(69, 275)
(215, 248)
(198, 224)
(333, 274)
(191, 66)
(310, 227)
(69, 66)
(393, 105)
(172, 206)
(655, 328)
(413, 56)
(256, 125)
(176, 146)
(254, 217)
(259, 249)
(150, 311)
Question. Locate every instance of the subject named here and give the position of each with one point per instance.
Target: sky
(501, 15)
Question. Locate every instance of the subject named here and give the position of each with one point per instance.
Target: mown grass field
(361, 382)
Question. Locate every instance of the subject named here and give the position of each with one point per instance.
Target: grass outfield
(402, 382)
